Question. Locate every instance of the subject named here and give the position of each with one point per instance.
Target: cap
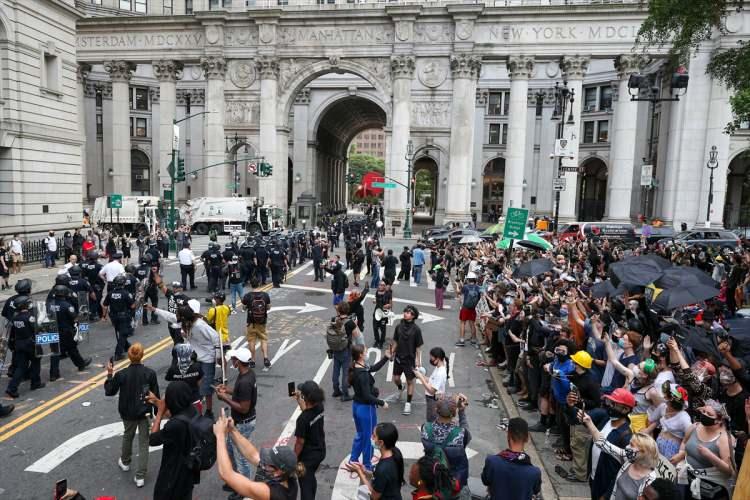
(719, 258)
(176, 284)
(281, 457)
(242, 354)
(582, 358)
(195, 306)
(622, 396)
(445, 408)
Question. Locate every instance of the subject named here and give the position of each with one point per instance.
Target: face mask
(727, 378)
(614, 413)
(706, 420)
(433, 362)
(561, 357)
(374, 444)
(631, 454)
(621, 343)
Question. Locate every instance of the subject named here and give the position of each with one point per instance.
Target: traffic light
(269, 169)
(180, 174)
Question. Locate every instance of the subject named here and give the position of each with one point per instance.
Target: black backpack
(472, 297)
(202, 455)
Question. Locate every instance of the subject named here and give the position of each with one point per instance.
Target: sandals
(561, 455)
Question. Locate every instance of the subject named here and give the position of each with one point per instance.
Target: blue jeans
(365, 419)
(239, 462)
(236, 290)
(49, 258)
(375, 275)
(337, 297)
(341, 362)
(417, 274)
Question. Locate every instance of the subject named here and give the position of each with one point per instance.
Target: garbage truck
(229, 214)
(138, 214)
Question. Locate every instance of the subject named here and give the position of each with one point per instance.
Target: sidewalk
(41, 279)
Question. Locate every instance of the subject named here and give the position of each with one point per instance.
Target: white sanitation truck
(137, 215)
(229, 214)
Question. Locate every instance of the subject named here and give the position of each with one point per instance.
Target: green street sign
(515, 223)
(167, 194)
(384, 185)
(114, 201)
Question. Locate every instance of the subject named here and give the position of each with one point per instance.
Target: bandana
(515, 457)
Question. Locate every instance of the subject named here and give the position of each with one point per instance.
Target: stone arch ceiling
(344, 120)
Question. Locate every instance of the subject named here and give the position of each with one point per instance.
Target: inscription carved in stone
(430, 114)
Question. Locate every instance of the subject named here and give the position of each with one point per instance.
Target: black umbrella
(533, 268)
(672, 298)
(684, 276)
(607, 289)
(699, 339)
(639, 270)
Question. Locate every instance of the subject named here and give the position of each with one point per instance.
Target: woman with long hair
(434, 387)
(432, 480)
(366, 401)
(387, 478)
(309, 433)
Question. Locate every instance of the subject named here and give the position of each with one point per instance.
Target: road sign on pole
(115, 201)
(252, 168)
(515, 223)
(647, 173)
(384, 185)
(558, 184)
(176, 137)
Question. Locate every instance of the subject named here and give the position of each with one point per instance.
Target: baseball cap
(622, 396)
(242, 354)
(582, 358)
(281, 457)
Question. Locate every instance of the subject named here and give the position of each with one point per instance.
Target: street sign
(384, 185)
(252, 168)
(515, 223)
(566, 147)
(647, 173)
(571, 169)
(558, 184)
(114, 201)
(176, 137)
(166, 185)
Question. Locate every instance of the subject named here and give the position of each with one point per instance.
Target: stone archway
(592, 190)
(241, 152)
(493, 186)
(426, 175)
(737, 205)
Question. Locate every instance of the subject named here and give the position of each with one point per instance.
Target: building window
(605, 98)
(131, 126)
(96, 2)
(140, 6)
(495, 130)
(504, 137)
(589, 98)
(588, 132)
(99, 125)
(602, 133)
(140, 127)
(168, 7)
(126, 4)
(98, 98)
(495, 103)
(51, 76)
(219, 4)
(539, 106)
(139, 98)
(188, 6)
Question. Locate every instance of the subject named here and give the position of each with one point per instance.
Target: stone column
(268, 69)
(573, 71)
(120, 73)
(215, 69)
(280, 177)
(622, 162)
(520, 69)
(465, 69)
(402, 69)
(299, 154)
(480, 108)
(167, 72)
(81, 75)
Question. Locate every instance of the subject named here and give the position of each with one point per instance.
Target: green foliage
(423, 185)
(685, 24)
(360, 164)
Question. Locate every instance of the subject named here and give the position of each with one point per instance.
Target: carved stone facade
(167, 70)
(197, 97)
(268, 67)
(242, 112)
(574, 67)
(402, 66)
(119, 71)
(431, 114)
(465, 66)
(214, 68)
(520, 67)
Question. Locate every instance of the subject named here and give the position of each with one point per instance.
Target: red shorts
(467, 314)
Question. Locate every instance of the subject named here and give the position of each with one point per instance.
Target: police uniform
(227, 255)
(278, 258)
(91, 270)
(10, 310)
(23, 329)
(144, 275)
(65, 313)
(120, 303)
(261, 256)
(212, 261)
(247, 262)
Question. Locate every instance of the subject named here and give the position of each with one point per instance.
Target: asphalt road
(70, 429)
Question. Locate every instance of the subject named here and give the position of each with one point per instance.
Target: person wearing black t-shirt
(241, 400)
(388, 475)
(389, 264)
(185, 367)
(408, 342)
(310, 442)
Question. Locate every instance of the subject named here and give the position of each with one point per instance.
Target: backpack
(258, 308)
(336, 336)
(202, 455)
(438, 452)
(472, 297)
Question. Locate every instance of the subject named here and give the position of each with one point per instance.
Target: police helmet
(60, 291)
(176, 285)
(130, 269)
(23, 287)
(21, 303)
(146, 259)
(220, 296)
(93, 254)
(228, 246)
(62, 279)
(119, 281)
(75, 271)
(413, 310)
(117, 255)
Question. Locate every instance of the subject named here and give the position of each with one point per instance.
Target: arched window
(139, 173)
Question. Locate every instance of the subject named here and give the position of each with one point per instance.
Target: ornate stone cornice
(520, 67)
(267, 67)
(82, 72)
(214, 67)
(403, 66)
(166, 70)
(197, 97)
(302, 97)
(574, 67)
(466, 65)
(482, 96)
(626, 64)
(119, 71)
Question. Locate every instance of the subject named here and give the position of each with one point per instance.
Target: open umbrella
(680, 286)
(495, 229)
(533, 268)
(639, 270)
(681, 276)
(469, 239)
(530, 240)
(603, 289)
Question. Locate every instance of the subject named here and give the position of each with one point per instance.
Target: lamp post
(409, 159)
(564, 98)
(712, 164)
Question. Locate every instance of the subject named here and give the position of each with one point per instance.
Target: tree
(685, 24)
(359, 164)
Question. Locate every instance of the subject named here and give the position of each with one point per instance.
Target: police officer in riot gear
(91, 269)
(65, 312)
(119, 305)
(153, 251)
(212, 261)
(23, 291)
(247, 262)
(278, 263)
(131, 280)
(23, 329)
(261, 259)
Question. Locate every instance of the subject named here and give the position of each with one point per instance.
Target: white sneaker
(407, 409)
(139, 482)
(124, 467)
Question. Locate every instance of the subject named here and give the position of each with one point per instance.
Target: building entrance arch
(737, 205)
(493, 184)
(426, 174)
(592, 190)
(140, 165)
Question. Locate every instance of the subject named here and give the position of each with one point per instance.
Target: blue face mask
(373, 443)
(621, 343)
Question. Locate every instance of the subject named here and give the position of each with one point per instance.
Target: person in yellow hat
(584, 395)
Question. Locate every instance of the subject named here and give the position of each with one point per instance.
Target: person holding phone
(241, 399)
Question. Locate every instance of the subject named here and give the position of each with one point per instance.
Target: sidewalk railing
(34, 251)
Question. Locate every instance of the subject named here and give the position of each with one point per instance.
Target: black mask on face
(706, 420)
(677, 405)
(561, 357)
(615, 414)
(433, 362)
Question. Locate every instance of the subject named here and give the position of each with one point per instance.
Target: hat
(176, 284)
(582, 358)
(195, 306)
(242, 354)
(719, 259)
(281, 457)
(471, 275)
(445, 408)
(622, 396)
